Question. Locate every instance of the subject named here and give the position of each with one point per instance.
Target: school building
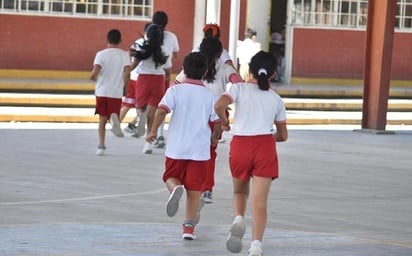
(324, 39)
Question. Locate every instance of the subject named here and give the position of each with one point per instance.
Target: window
(96, 8)
(344, 13)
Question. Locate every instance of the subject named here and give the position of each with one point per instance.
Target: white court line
(82, 198)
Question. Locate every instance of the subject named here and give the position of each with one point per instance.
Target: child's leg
(192, 204)
(142, 116)
(240, 196)
(123, 112)
(261, 187)
(102, 130)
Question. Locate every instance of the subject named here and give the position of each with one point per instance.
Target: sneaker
(130, 128)
(222, 140)
(100, 150)
(147, 148)
(197, 219)
(255, 251)
(237, 230)
(160, 142)
(188, 231)
(208, 197)
(172, 204)
(116, 129)
(136, 134)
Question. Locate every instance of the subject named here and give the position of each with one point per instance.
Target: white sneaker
(237, 230)
(255, 251)
(147, 148)
(172, 204)
(100, 150)
(116, 129)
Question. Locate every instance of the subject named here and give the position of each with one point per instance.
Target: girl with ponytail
(259, 122)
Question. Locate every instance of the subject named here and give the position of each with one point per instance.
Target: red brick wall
(321, 53)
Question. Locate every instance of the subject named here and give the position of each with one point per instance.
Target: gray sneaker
(160, 142)
(116, 129)
(237, 230)
(172, 204)
(130, 128)
(208, 197)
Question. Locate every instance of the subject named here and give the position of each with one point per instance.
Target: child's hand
(151, 137)
(226, 126)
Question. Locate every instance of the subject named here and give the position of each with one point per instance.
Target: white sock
(256, 243)
(238, 218)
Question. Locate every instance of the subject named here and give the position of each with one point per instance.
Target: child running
(253, 147)
(150, 86)
(191, 105)
(217, 77)
(111, 70)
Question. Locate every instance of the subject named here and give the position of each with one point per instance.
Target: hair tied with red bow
(214, 27)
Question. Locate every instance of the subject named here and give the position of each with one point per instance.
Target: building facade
(324, 38)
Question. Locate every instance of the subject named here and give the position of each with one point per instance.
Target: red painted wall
(66, 43)
(60, 43)
(324, 53)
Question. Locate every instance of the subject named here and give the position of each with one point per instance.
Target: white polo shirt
(110, 82)
(148, 66)
(255, 110)
(192, 107)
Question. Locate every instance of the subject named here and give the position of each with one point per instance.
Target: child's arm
(217, 132)
(158, 120)
(220, 107)
(95, 72)
(126, 78)
(281, 131)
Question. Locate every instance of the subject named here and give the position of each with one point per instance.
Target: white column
(213, 11)
(288, 43)
(199, 21)
(234, 29)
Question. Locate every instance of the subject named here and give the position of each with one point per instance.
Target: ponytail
(263, 66)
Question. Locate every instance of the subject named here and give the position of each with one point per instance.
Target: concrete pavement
(340, 192)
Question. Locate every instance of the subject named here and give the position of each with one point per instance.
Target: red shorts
(130, 99)
(106, 106)
(253, 156)
(190, 173)
(149, 90)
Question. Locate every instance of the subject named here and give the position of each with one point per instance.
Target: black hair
(152, 46)
(212, 48)
(160, 18)
(263, 65)
(114, 36)
(195, 65)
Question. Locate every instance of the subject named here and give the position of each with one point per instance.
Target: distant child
(153, 59)
(245, 51)
(253, 147)
(111, 70)
(191, 106)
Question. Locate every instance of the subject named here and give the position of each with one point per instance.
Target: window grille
(344, 13)
(90, 8)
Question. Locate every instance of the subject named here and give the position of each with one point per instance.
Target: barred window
(344, 13)
(93, 8)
